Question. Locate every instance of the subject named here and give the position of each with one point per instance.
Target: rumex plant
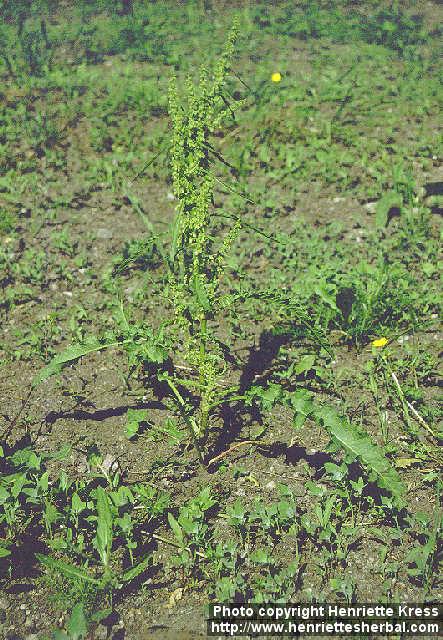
(195, 264)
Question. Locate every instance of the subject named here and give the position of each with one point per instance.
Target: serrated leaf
(68, 570)
(72, 353)
(361, 446)
(77, 627)
(155, 353)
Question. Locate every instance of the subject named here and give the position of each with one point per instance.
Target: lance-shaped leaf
(361, 446)
(176, 528)
(77, 626)
(68, 570)
(72, 353)
(104, 526)
(133, 572)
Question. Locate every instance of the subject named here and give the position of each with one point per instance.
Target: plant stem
(189, 420)
(204, 405)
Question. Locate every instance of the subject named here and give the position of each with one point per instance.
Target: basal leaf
(104, 526)
(386, 202)
(133, 572)
(68, 570)
(176, 528)
(72, 353)
(361, 446)
(304, 364)
(77, 626)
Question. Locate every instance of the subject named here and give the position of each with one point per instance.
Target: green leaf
(77, 504)
(176, 528)
(335, 471)
(4, 495)
(361, 446)
(154, 352)
(261, 556)
(68, 570)
(77, 627)
(137, 570)
(303, 407)
(327, 293)
(99, 615)
(134, 417)
(4, 552)
(61, 454)
(72, 353)
(386, 202)
(314, 489)
(104, 526)
(200, 292)
(305, 364)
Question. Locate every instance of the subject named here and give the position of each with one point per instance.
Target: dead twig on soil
(235, 446)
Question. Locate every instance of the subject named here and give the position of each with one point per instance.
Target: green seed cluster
(195, 265)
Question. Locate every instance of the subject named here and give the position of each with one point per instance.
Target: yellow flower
(380, 342)
(276, 77)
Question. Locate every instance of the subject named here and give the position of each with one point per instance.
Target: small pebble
(101, 633)
(104, 234)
